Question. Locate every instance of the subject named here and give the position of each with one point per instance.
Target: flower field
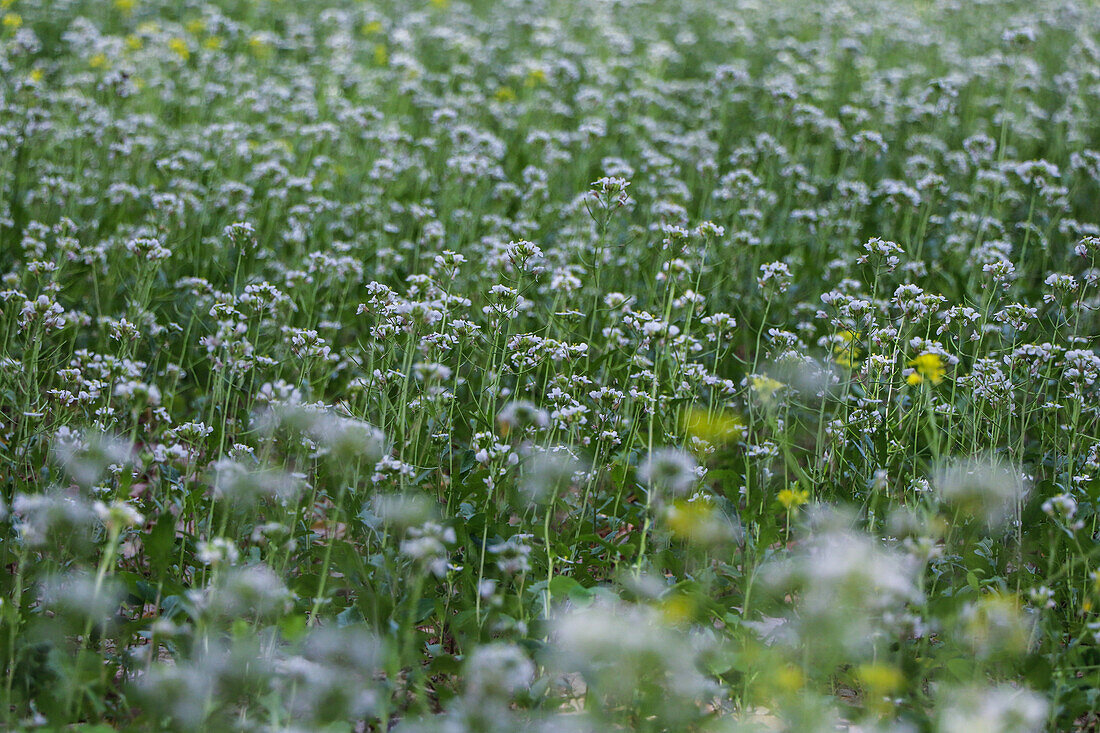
(589, 365)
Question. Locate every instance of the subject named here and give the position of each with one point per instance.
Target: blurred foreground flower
(851, 593)
(983, 488)
(626, 654)
(716, 427)
(669, 469)
(996, 709)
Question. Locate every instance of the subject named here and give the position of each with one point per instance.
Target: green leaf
(562, 586)
(159, 540)
(425, 607)
(961, 668)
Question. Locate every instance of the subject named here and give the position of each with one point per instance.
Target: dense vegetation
(658, 365)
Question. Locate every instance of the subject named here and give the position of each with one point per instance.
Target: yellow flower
(996, 624)
(928, 367)
(881, 681)
(848, 354)
(134, 42)
(179, 47)
(789, 679)
(371, 28)
(698, 521)
(684, 515)
(126, 7)
(534, 78)
(765, 387)
(37, 75)
(715, 428)
(196, 26)
(12, 20)
(880, 678)
(793, 497)
(505, 94)
(213, 43)
(380, 54)
(5, 4)
(440, 4)
(99, 61)
(259, 46)
(678, 609)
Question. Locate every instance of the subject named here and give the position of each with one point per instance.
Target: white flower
(520, 415)
(498, 670)
(1063, 507)
(218, 551)
(997, 709)
(426, 546)
(669, 469)
(118, 515)
(983, 488)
